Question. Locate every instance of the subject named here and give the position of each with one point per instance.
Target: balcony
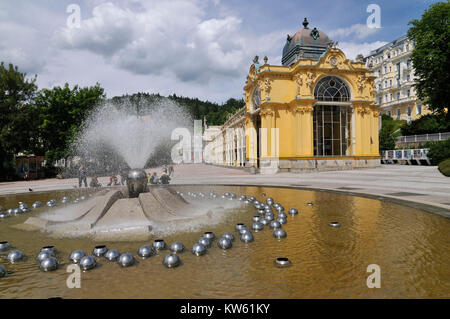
(399, 101)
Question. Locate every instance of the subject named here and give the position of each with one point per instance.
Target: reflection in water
(412, 248)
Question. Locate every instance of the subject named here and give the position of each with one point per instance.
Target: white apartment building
(395, 92)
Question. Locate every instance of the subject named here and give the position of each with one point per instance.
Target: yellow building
(315, 111)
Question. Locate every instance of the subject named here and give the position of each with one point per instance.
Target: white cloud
(358, 31)
(352, 49)
(194, 48)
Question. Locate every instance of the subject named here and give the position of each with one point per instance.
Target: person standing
(82, 176)
(154, 179)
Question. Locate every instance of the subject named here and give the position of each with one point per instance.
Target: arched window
(332, 89)
(256, 99)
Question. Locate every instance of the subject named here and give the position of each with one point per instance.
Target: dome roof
(306, 43)
(307, 37)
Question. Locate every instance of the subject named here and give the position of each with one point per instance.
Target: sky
(195, 48)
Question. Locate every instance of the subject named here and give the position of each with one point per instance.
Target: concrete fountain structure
(112, 215)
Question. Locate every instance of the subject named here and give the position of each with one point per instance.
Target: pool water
(411, 247)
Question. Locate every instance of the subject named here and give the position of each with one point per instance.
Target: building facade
(395, 94)
(225, 145)
(313, 112)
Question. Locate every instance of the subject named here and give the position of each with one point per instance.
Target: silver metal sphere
(269, 217)
(209, 235)
(171, 260)
(228, 236)
(275, 224)
(17, 211)
(44, 255)
(4, 215)
(282, 262)
(177, 247)
(205, 242)
(246, 202)
(51, 203)
(112, 254)
(36, 204)
(87, 262)
(239, 226)
(261, 211)
(10, 211)
(269, 200)
(159, 244)
(224, 243)
(282, 215)
(258, 206)
(310, 204)
(4, 245)
(126, 260)
(256, 218)
(198, 249)
(276, 205)
(280, 208)
(282, 220)
(99, 250)
(49, 264)
(15, 255)
(244, 231)
(257, 226)
(256, 202)
(242, 197)
(233, 196)
(227, 194)
(3, 271)
(136, 182)
(251, 198)
(247, 237)
(335, 224)
(50, 249)
(279, 233)
(76, 256)
(83, 198)
(145, 251)
(293, 211)
(265, 221)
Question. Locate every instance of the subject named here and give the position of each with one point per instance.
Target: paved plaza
(413, 185)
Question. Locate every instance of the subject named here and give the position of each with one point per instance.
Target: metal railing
(423, 138)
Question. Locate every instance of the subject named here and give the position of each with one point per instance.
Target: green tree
(431, 55)
(17, 116)
(428, 124)
(390, 129)
(61, 112)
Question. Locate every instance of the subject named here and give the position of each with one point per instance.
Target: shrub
(439, 151)
(444, 167)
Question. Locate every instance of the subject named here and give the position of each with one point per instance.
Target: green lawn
(444, 167)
